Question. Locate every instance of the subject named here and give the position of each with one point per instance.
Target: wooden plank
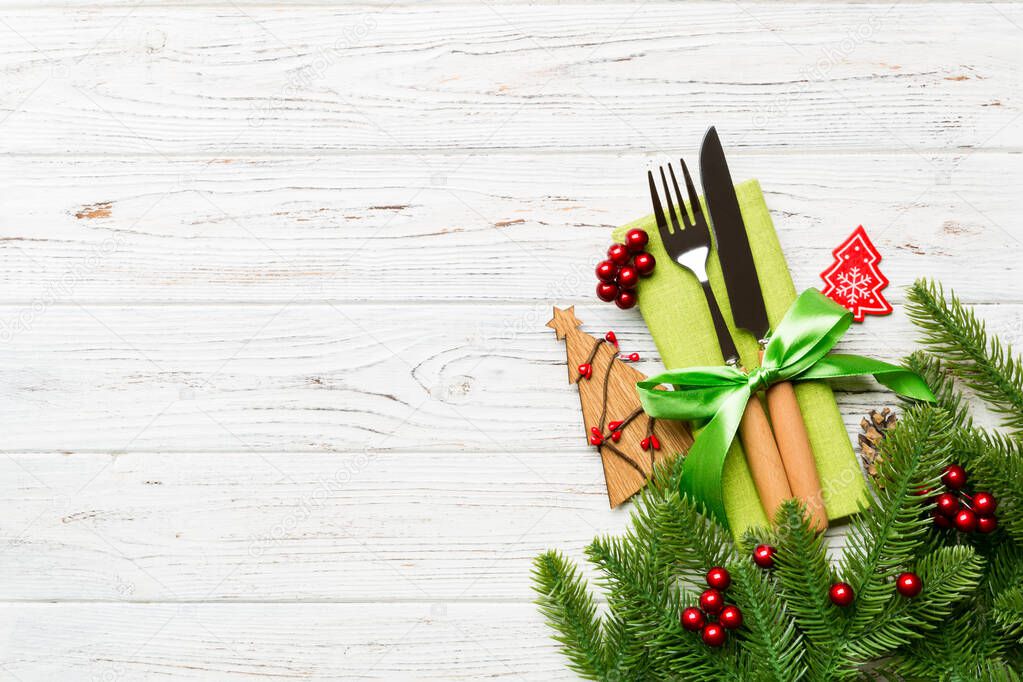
(278, 641)
(319, 378)
(339, 527)
(228, 80)
(463, 227)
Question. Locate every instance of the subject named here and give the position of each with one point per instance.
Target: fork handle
(763, 458)
(724, 337)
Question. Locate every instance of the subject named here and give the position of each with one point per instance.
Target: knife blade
(740, 272)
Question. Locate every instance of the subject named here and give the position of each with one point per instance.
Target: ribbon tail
(899, 379)
(702, 470)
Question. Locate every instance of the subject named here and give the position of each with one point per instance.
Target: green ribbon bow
(717, 396)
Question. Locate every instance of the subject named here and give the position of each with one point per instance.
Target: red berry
(719, 578)
(965, 521)
(987, 524)
(908, 584)
(948, 504)
(984, 503)
(618, 254)
(731, 617)
(644, 263)
(841, 594)
(711, 601)
(626, 299)
(954, 476)
(611, 338)
(585, 370)
(606, 271)
(713, 635)
(596, 438)
(628, 278)
(692, 619)
(940, 520)
(606, 291)
(763, 556)
(636, 240)
(613, 427)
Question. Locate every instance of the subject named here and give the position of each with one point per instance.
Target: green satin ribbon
(716, 397)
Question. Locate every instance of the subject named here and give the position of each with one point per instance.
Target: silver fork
(690, 247)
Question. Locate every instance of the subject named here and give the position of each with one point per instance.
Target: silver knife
(749, 312)
(740, 272)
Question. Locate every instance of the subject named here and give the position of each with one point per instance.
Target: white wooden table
(278, 399)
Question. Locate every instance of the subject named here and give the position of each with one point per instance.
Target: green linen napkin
(673, 305)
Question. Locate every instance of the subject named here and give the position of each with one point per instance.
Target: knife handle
(796, 452)
(764, 460)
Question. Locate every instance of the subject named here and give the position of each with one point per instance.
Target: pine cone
(875, 427)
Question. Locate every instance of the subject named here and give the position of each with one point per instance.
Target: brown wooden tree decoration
(630, 442)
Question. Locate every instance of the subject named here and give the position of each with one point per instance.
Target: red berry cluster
(620, 273)
(956, 508)
(712, 604)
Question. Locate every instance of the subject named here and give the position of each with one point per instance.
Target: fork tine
(694, 198)
(671, 206)
(669, 240)
(662, 224)
(678, 195)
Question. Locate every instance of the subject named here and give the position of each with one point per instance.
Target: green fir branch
(884, 541)
(805, 577)
(942, 384)
(954, 333)
(651, 605)
(966, 647)
(771, 642)
(1008, 612)
(949, 575)
(994, 462)
(572, 612)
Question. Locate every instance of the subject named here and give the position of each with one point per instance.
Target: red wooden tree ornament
(854, 280)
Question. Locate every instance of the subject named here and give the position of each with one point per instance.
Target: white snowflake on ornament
(854, 280)
(854, 285)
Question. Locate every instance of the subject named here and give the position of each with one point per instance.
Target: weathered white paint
(322, 378)
(278, 399)
(321, 80)
(509, 227)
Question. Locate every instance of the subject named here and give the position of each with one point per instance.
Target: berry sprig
(626, 263)
(597, 436)
(956, 508)
(586, 368)
(841, 594)
(714, 617)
